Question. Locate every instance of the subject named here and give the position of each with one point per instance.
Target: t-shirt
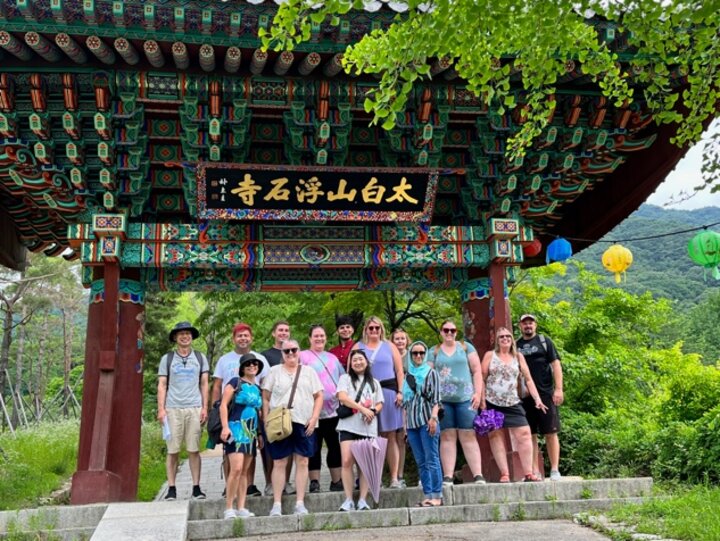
(368, 399)
(539, 361)
(279, 383)
(184, 382)
(456, 381)
(342, 352)
(273, 356)
(228, 367)
(329, 370)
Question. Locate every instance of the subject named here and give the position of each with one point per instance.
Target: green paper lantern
(704, 249)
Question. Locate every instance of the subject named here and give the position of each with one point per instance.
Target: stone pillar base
(95, 487)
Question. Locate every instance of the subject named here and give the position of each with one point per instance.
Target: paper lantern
(617, 259)
(532, 249)
(704, 249)
(558, 250)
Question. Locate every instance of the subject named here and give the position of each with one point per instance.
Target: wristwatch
(374, 411)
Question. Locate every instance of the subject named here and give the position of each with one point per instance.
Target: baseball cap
(527, 316)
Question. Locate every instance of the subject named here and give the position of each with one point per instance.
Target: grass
(37, 462)
(687, 513)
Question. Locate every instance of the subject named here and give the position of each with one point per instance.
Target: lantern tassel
(716, 273)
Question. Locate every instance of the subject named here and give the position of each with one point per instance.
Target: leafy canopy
(489, 41)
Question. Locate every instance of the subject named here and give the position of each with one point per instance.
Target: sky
(684, 178)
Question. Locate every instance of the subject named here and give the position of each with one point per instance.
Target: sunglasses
(290, 351)
(252, 363)
(503, 336)
(418, 353)
(448, 330)
(373, 327)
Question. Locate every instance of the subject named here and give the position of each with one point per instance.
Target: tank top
(501, 385)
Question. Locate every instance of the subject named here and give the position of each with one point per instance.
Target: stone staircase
(463, 503)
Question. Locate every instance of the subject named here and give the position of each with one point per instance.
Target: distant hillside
(660, 265)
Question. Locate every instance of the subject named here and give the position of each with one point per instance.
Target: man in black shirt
(280, 332)
(544, 363)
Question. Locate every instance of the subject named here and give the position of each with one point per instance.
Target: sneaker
(252, 490)
(268, 490)
(336, 486)
(447, 481)
(300, 509)
(348, 505)
(314, 486)
(289, 489)
(396, 484)
(555, 475)
(197, 493)
(171, 495)
(479, 480)
(229, 514)
(276, 510)
(244, 513)
(362, 505)
(402, 482)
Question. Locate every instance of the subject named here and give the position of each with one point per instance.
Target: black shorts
(542, 423)
(344, 435)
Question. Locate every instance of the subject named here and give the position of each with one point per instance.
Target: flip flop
(424, 503)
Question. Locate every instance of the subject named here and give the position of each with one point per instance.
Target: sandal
(505, 478)
(531, 478)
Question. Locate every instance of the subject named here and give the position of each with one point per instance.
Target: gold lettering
(372, 192)
(309, 189)
(341, 194)
(401, 193)
(246, 190)
(278, 192)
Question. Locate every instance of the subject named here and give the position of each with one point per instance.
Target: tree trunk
(5, 347)
(42, 370)
(16, 416)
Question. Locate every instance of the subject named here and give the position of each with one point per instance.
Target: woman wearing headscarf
(421, 400)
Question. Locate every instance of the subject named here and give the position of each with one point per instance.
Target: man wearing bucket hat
(182, 403)
(543, 361)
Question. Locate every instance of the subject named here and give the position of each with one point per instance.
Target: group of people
(385, 385)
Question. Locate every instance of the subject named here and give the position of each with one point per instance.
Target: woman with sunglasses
(304, 414)
(461, 388)
(421, 400)
(240, 431)
(401, 339)
(386, 365)
(359, 391)
(328, 368)
(501, 369)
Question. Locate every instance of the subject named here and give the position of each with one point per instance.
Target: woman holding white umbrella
(360, 392)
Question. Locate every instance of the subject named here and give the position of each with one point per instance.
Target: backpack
(214, 424)
(168, 361)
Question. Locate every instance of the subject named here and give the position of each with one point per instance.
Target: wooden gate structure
(157, 143)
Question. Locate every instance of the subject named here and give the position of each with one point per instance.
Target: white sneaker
(229, 514)
(348, 505)
(244, 513)
(268, 490)
(396, 484)
(276, 510)
(555, 475)
(300, 509)
(289, 489)
(362, 505)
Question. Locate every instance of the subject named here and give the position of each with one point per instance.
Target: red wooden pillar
(109, 447)
(485, 308)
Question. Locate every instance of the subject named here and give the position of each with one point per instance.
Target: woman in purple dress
(387, 368)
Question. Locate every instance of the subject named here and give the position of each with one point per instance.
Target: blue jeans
(426, 450)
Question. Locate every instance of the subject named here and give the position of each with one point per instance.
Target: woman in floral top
(461, 387)
(501, 369)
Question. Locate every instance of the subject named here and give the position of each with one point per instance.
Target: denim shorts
(458, 415)
(297, 443)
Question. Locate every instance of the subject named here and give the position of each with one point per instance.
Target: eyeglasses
(290, 351)
(448, 330)
(503, 336)
(373, 327)
(418, 353)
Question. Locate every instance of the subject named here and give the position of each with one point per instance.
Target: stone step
(52, 518)
(467, 494)
(386, 518)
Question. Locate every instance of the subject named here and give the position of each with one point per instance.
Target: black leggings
(326, 430)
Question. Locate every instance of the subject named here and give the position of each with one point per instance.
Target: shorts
(244, 448)
(184, 427)
(297, 443)
(458, 415)
(542, 423)
(344, 435)
(514, 415)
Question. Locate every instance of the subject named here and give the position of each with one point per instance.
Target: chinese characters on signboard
(247, 192)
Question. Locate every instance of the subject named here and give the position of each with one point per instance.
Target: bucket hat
(184, 326)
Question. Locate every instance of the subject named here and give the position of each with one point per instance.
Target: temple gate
(157, 143)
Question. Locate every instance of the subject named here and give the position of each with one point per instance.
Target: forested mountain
(660, 265)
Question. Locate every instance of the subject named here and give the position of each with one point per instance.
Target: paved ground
(540, 530)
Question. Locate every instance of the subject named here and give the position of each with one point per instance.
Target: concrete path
(540, 530)
(166, 521)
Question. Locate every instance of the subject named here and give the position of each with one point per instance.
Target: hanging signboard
(258, 192)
